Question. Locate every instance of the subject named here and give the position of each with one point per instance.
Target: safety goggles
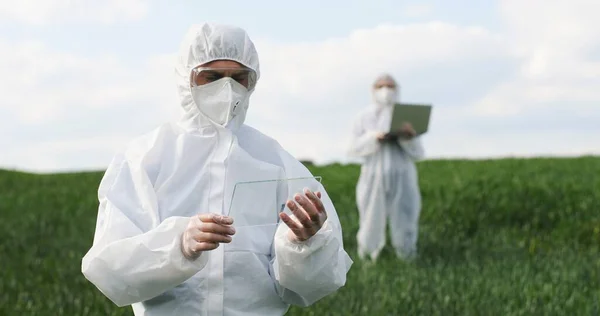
(204, 75)
(384, 85)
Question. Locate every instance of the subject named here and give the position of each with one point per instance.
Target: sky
(506, 78)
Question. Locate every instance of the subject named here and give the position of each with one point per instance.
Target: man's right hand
(205, 232)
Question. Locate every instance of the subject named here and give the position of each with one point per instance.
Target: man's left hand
(310, 216)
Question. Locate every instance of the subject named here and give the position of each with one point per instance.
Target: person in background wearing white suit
(163, 242)
(388, 186)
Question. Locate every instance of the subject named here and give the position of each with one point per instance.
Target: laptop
(416, 114)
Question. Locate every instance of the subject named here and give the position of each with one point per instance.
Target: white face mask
(221, 100)
(385, 96)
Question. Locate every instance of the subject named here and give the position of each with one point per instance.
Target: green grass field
(498, 237)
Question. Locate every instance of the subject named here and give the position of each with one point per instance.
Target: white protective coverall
(388, 184)
(163, 178)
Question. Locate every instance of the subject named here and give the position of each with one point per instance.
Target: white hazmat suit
(388, 184)
(151, 190)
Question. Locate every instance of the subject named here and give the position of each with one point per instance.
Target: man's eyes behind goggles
(202, 76)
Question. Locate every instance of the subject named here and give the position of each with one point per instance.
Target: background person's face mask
(221, 100)
(385, 96)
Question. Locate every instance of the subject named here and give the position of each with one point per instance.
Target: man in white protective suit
(388, 184)
(163, 242)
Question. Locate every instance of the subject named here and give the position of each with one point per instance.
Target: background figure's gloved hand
(386, 137)
(407, 132)
(205, 232)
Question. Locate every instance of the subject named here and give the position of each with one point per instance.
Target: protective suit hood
(384, 97)
(205, 43)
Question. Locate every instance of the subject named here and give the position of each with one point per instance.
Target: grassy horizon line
(311, 163)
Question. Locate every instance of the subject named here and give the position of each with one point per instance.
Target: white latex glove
(310, 216)
(205, 232)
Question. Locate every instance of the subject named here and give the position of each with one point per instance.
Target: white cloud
(51, 101)
(517, 91)
(41, 12)
(40, 85)
(338, 73)
(555, 40)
